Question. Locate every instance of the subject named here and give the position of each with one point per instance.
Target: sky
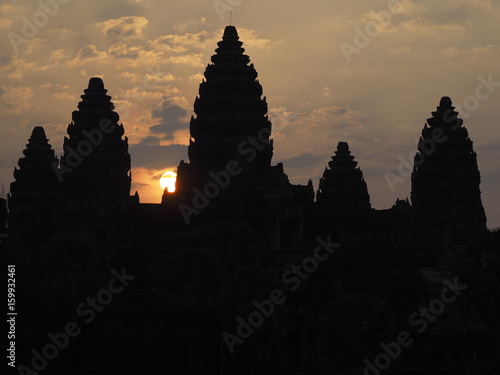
(365, 72)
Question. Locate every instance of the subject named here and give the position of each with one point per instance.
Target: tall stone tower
(229, 175)
(445, 179)
(343, 185)
(95, 167)
(229, 109)
(33, 196)
(230, 126)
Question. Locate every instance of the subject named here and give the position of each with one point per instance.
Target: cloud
(157, 176)
(150, 140)
(378, 103)
(5, 60)
(331, 121)
(193, 59)
(65, 96)
(156, 156)
(170, 116)
(88, 53)
(417, 19)
(305, 160)
(59, 54)
(250, 39)
(480, 4)
(408, 7)
(59, 34)
(121, 50)
(138, 185)
(280, 118)
(15, 99)
(123, 27)
(9, 12)
(472, 53)
(181, 43)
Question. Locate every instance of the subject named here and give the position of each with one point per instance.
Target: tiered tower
(343, 185)
(229, 175)
(445, 178)
(95, 167)
(229, 109)
(33, 194)
(231, 122)
(36, 184)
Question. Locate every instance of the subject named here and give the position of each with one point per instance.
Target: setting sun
(167, 181)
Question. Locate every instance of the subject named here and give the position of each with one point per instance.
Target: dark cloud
(156, 156)
(167, 111)
(304, 161)
(170, 116)
(150, 140)
(157, 176)
(138, 185)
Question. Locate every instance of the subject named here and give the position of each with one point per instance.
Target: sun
(167, 181)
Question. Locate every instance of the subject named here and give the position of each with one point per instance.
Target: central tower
(230, 149)
(230, 125)
(229, 110)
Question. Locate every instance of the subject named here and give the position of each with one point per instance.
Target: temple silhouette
(210, 252)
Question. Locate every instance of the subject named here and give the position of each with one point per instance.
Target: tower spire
(33, 193)
(445, 179)
(343, 184)
(229, 109)
(96, 161)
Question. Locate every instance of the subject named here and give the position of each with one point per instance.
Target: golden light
(167, 181)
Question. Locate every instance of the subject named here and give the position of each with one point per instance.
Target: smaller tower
(343, 184)
(445, 179)
(33, 195)
(95, 167)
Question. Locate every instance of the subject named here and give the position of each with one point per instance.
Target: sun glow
(167, 181)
